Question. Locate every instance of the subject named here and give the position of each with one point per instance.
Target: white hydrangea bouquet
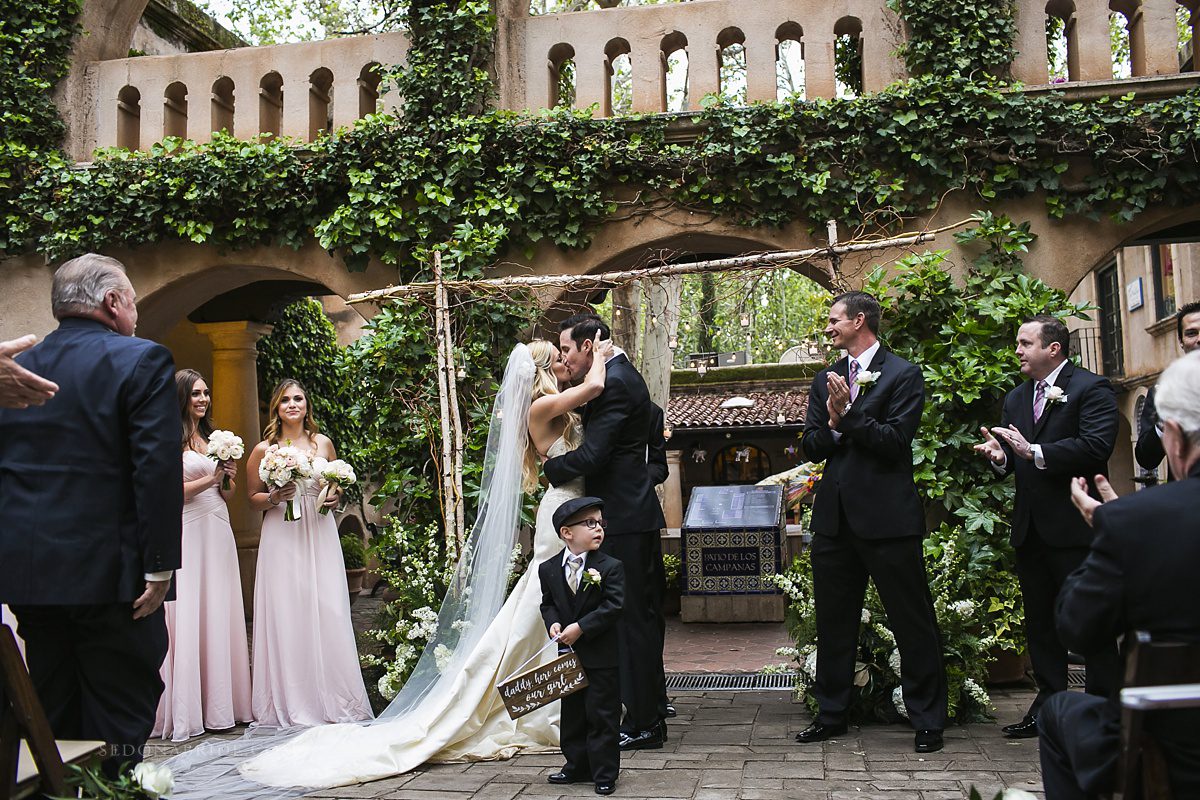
(225, 446)
(336, 474)
(282, 465)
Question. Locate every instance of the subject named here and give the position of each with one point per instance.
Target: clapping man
(1060, 423)
(868, 522)
(1149, 449)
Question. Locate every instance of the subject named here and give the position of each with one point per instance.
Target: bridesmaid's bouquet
(336, 474)
(282, 465)
(225, 446)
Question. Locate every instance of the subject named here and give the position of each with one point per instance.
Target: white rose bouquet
(281, 466)
(336, 474)
(225, 446)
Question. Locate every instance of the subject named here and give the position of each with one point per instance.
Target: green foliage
(354, 554)
(958, 37)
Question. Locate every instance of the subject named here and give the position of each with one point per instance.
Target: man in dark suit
(1149, 449)
(868, 522)
(1138, 575)
(91, 499)
(1060, 423)
(612, 461)
(583, 591)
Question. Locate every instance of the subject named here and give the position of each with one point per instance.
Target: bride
(449, 709)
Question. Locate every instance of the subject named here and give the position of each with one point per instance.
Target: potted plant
(355, 556)
(671, 598)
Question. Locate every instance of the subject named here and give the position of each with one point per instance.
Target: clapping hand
(1087, 504)
(990, 448)
(1016, 440)
(839, 398)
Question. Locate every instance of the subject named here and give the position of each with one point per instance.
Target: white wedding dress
(467, 723)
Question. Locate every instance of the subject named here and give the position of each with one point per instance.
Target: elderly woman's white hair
(81, 284)
(1177, 397)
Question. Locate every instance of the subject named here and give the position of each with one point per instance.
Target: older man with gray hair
(91, 497)
(1139, 575)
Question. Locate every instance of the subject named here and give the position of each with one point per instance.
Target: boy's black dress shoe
(605, 788)
(562, 777)
(928, 741)
(642, 740)
(671, 710)
(818, 732)
(1025, 729)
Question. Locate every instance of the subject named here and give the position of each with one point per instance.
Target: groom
(612, 461)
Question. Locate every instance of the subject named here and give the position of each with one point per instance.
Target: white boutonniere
(865, 380)
(591, 577)
(1055, 394)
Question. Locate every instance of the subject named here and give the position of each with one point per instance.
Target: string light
(673, 343)
(745, 320)
(462, 373)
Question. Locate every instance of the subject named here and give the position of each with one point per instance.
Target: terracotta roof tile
(703, 409)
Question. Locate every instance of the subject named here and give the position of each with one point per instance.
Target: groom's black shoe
(605, 788)
(1027, 728)
(928, 741)
(819, 732)
(562, 777)
(642, 740)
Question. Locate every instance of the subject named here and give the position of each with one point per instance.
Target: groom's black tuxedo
(613, 463)
(91, 499)
(868, 522)
(590, 718)
(1051, 539)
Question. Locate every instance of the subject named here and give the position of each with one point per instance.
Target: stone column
(1030, 65)
(762, 56)
(672, 491)
(234, 385)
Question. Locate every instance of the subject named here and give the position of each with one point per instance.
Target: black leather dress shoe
(670, 710)
(561, 777)
(662, 729)
(928, 741)
(605, 788)
(1025, 729)
(643, 740)
(818, 732)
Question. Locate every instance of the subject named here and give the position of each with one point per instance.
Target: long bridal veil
(273, 763)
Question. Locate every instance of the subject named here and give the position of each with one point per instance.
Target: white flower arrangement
(156, 780)
(336, 474)
(894, 662)
(898, 702)
(225, 446)
(866, 379)
(866, 617)
(963, 608)
(282, 465)
(441, 657)
(1055, 394)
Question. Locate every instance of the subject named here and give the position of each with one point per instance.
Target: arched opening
(1123, 39)
(368, 90)
(320, 103)
(560, 62)
(618, 68)
(847, 56)
(740, 464)
(789, 62)
(175, 111)
(129, 118)
(674, 72)
(222, 105)
(731, 46)
(270, 104)
(1062, 56)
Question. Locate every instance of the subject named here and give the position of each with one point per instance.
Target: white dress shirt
(864, 360)
(1039, 460)
(567, 567)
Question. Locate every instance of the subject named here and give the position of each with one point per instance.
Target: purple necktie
(1039, 400)
(854, 368)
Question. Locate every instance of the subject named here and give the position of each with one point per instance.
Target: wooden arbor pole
(453, 512)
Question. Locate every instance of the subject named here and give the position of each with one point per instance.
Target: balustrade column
(295, 108)
(345, 98)
(704, 70)
(762, 82)
(672, 492)
(879, 64)
(1093, 47)
(591, 83)
(245, 103)
(1031, 64)
(152, 116)
(235, 408)
(819, 74)
(646, 59)
(1154, 45)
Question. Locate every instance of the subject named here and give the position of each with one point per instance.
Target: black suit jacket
(656, 447)
(1077, 438)
(91, 483)
(595, 608)
(869, 471)
(1149, 451)
(612, 458)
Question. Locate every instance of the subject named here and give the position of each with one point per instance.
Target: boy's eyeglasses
(590, 524)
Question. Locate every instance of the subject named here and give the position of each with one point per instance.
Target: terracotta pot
(1005, 666)
(354, 582)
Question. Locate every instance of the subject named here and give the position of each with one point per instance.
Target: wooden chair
(1158, 675)
(30, 760)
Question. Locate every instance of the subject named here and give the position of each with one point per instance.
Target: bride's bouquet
(225, 446)
(336, 474)
(282, 465)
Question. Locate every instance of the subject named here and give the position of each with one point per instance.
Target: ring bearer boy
(583, 592)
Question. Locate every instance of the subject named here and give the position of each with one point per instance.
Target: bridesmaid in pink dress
(207, 668)
(306, 669)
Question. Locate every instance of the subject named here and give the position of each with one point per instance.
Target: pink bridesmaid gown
(207, 668)
(306, 669)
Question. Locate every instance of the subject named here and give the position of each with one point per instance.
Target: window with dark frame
(1108, 294)
(1162, 265)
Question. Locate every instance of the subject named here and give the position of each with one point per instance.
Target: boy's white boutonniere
(865, 380)
(1055, 394)
(591, 577)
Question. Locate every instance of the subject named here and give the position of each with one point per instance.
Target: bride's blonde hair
(544, 355)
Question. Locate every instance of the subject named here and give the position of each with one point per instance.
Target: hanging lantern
(462, 373)
(673, 343)
(745, 320)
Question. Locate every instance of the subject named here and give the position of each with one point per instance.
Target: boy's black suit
(1051, 539)
(590, 717)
